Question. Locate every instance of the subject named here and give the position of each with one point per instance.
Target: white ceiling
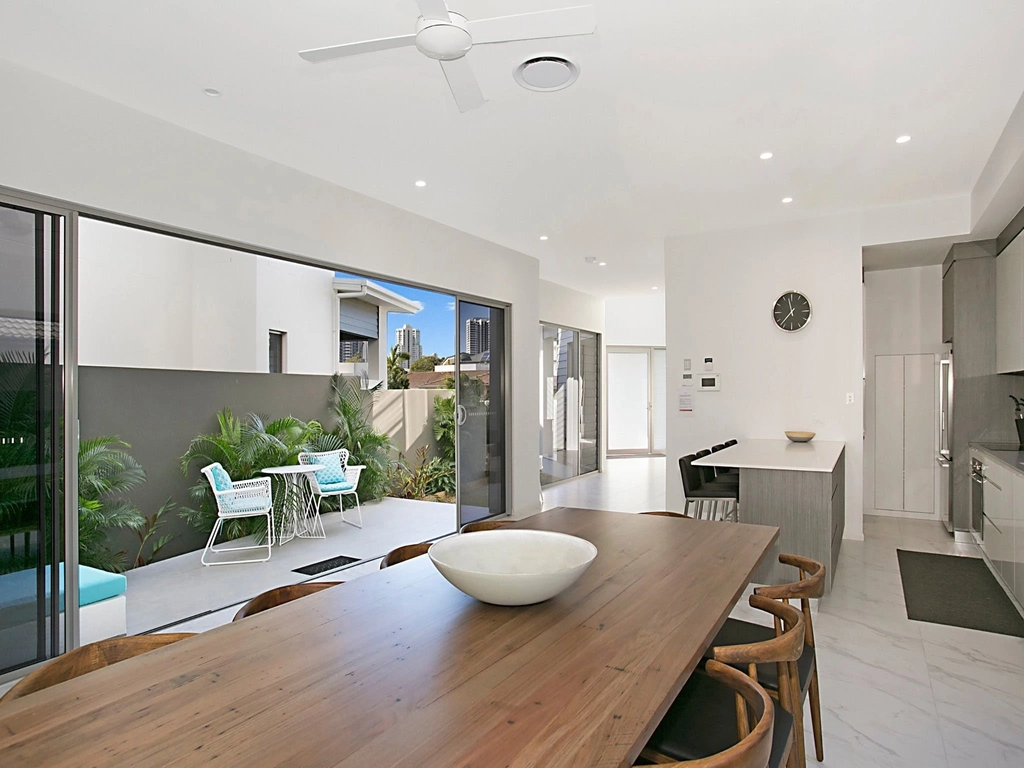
(660, 135)
(916, 253)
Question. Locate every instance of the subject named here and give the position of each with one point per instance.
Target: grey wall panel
(158, 412)
(360, 318)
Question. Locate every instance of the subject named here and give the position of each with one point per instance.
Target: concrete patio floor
(180, 588)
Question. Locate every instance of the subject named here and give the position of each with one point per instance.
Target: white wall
(720, 288)
(902, 316)
(635, 320)
(570, 308)
(121, 160)
(148, 300)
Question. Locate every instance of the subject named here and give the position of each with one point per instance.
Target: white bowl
(510, 566)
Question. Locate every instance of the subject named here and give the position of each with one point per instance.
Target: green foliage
(18, 511)
(397, 376)
(471, 391)
(244, 447)
(105, 473)
(425, 364)
(151, 524)
(352, 407)
(444, 427)
(430, 479)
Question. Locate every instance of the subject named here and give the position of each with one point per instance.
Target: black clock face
(792, 311)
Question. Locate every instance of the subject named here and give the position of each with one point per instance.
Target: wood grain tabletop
(400, 669)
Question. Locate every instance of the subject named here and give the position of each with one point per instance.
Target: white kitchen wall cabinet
(905, 424)
(1010, 308)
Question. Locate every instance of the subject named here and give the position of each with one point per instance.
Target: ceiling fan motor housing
(443, 40)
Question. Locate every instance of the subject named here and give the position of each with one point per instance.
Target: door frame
(70, 437)
(504, 381)
(649, 352)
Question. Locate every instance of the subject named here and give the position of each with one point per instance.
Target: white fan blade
(433, 9)
(331, 52)
(564, 22)
(463, 84)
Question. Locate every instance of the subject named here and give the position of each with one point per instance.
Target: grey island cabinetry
(798, 487)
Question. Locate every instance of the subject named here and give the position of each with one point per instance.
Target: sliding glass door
(480, 412)
(31, 435)
(570, 406)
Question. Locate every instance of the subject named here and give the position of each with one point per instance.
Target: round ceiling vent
(549, 72)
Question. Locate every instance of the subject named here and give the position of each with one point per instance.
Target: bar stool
(726, 472)
(811, 585)
(704, 495)
(706, 718)
(281, 595)
(707, 474)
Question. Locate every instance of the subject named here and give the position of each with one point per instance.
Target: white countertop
(815, 456)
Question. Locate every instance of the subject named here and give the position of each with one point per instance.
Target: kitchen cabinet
(999, 520)
(1010, 308)
(905, 433)
(1018, 537)
(947, 304)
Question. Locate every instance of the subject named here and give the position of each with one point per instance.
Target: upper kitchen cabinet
(1010, 308)
(948, 293)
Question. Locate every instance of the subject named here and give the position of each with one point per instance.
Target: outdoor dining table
(293, 504)
(399, 668)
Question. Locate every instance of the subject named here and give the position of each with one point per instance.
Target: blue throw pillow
(333, 470)
(221, 479)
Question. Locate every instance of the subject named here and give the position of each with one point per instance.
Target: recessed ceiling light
(903, 139)
(211, 92)
(421, 183)
(602, 263)
(654, 287)
(543, 237)
(787, 199)
(766, 155)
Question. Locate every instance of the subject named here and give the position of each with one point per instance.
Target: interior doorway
(637, 400)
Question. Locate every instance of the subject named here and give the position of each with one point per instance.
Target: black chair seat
(702, 722)
(736, 632)
(715, 491)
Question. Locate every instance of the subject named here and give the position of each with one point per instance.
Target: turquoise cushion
(244, 503)
(221, 479)
(333, 471)
(94, 585)
(336, 487)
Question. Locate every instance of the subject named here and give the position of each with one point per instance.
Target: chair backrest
(660, 513)
(401, 554)
(217, 477)
(89, 658)
(281, 595)
(690, 475)
(811, 584)
(754, 749)
(719, 447)
(731, 443)
(707, 474)
(484, 525)
(334, 464)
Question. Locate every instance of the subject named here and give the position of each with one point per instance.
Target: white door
(629, 401)
(889, 373)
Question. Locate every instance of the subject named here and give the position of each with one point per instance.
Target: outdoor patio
(181, 588)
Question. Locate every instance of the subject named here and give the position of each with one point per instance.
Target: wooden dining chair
(753, 750)
(89, 658)
(400, 555)
(484, 525)
(707, 719)
(811, 585)
(660, 513)
(281, 595)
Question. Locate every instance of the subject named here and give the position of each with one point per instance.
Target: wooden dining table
(400, 669)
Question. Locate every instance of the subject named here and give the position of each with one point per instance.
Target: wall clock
(792, 311)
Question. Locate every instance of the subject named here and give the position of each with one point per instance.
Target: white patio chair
(241, 498)
(337, 478)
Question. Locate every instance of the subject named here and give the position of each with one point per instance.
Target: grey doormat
(326, 565)
(956, 591)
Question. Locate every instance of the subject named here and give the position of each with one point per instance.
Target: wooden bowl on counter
(800, 437)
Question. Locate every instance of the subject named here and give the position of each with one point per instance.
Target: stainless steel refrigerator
(945, 457)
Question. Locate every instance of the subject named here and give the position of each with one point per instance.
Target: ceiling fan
(448, 36)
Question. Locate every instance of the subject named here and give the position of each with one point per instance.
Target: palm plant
(444, 427)
(106, 471)
(352, 407)
(397, 376)
(243, 447)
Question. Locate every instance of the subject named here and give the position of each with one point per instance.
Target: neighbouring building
(478, 335)
(408, 340)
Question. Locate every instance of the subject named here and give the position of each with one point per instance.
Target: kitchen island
(798, 487)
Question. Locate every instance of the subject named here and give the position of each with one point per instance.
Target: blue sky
(436, 320)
